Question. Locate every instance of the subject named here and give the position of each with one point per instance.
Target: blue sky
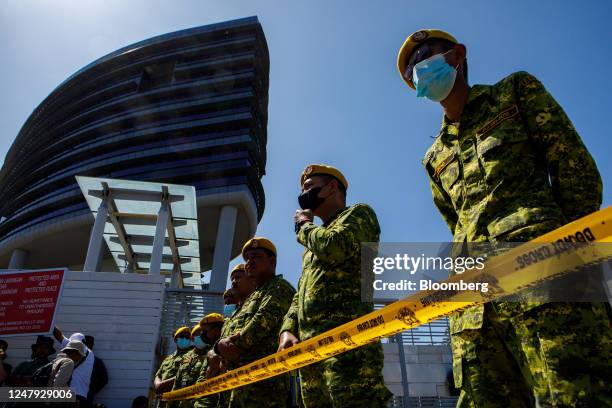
(335, 95)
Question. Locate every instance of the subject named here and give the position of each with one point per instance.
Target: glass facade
(188, 107)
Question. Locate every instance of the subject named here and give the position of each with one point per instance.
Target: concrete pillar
(160, 237)
(93, 261)
(223, 248)
(18, 259)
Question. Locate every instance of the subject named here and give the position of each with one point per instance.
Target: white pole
(160, 238)
(223, 248)
(96, 239)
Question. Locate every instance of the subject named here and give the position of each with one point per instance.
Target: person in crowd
(81, 377)
(5, 368)
(41, 350)
(64, 364)
(140, 402)
(99, 374)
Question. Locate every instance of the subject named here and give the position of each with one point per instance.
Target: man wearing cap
(329, 292)
(256, 326)
(210, 333)
(242, 287)
(64, 364)
(229, 302)
(195, 359)
(508, 166)
(22, 374)
(81, 377)
(165, 375)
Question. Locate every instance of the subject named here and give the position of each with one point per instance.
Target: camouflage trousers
(211, 401)
(352, 379)
(271, 393)
(554, 355)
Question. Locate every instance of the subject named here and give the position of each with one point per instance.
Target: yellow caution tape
(541, 259)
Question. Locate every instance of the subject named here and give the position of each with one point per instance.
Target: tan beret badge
(308, 170)
(420, 36)
(254, 244)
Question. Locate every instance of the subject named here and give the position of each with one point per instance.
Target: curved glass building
(189, 107)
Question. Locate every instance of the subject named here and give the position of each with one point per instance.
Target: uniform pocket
(503, 227)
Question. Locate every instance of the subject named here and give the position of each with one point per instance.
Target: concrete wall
(122, 312)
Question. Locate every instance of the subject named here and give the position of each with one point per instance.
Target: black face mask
(310, 200)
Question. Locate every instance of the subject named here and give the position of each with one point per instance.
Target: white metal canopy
(147, 226)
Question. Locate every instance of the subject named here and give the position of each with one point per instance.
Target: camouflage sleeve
(159, 372)
(343, 238)
(257, 329)
(574, 177)
(202, 373)
(290, 321)
(444, 206)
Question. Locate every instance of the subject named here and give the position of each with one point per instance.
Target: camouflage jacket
(190, 367)
(170, 365)
(329, 290)
(259, 319)
(511, 169)
(188, 372)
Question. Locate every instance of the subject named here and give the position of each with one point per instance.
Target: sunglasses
(422, 53)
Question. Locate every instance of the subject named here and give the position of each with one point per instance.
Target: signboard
(28, 301)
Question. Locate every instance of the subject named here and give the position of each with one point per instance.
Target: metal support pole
(402, 361)
(96, 239)
(160, 237)
(18, 258)
(176, 280)
(223, 248)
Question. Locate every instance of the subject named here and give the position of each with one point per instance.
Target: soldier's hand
(302, 216)
(286, 340)
(228, 349)
(214, 363)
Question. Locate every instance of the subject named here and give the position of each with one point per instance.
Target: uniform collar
(268, 283)
(475, 98)
(333, 217)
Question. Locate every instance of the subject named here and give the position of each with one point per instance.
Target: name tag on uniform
(440, 167)
(497, 120)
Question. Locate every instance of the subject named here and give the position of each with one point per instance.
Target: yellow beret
(211, 318)
(182, 330)
(259, 242)
(319, 169)
(195, 329)
(414, 40)
(239, 267)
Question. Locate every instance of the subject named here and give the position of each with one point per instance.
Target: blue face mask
(183, 343)
(228, 310)
(199, 343)
(434, 78)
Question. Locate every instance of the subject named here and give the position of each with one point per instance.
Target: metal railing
(185, 307)
(423, 402)
(436, 333)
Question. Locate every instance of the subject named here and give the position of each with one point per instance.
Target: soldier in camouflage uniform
(256, 325)
(209, 332)
(165, 375)
(242, 287)
(190, 365)
(508, 166)
(329, 293)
